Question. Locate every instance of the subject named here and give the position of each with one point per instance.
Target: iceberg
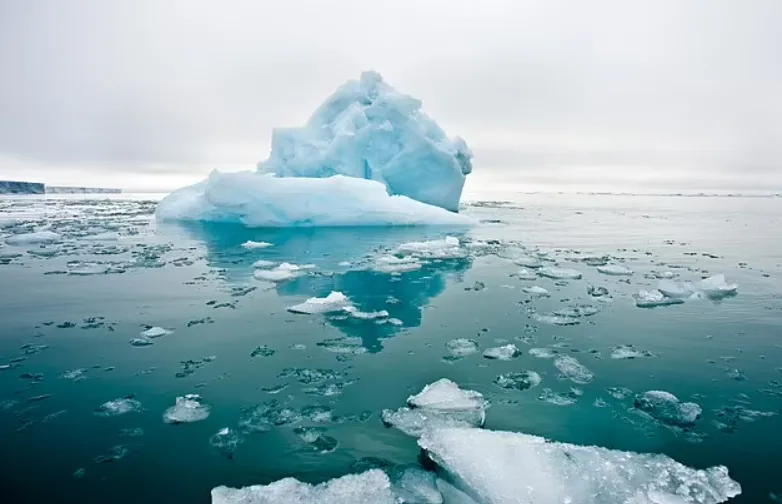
(494, 467)
(368, 156)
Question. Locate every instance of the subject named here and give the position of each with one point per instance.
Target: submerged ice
(367, 156)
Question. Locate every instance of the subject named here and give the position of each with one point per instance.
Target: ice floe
(155, 332)
(654, 299)
(461, 347)
(225, 442)
(187, 409)
(334, 302)
(281, 273)
(573, 370)
(249, 244)
(667, 409)
(494, 467)
(518, 380)
(525, 274)
(537, 290)
(118, 407)
(504, 352)
(447, 248)
(615, 270)
(559, 273)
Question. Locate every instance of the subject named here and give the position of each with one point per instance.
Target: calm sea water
(69, 310)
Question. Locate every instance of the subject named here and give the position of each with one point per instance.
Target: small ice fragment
(667, 409)
(263, 351)
(527, 262)
(447, 248)
(225, 442)
(505, 352)
(131, 432)
(615, 270)
(155, 332)
(281, 273)
(187, 409)
(597, 292)
(676, 290)
(316, 438)
(559, 273)
(553, 319)
(560, 398)
(334, 302)
(118, 407)
(264, 264)
(629, 352)
(79, 473)
(394, 265)
(716, 287)
(38, 238)
(543, 353)
(141, 342)
(446, 395)
(573, 370)
(356, 313)
(653, 299)
(537, 290)
(115, 453)
(461, 347)
(620, 393)
(413, 485)
(249, 244)
(518, 380)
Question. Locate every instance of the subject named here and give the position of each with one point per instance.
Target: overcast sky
(151, 95)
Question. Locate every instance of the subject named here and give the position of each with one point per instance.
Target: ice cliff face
(367, 129)
(367, 156)
(9, 187)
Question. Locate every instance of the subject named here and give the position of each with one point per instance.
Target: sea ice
(629, 352)
(225, 442)
(447, 248)
(281, 273)
(413, 485)
(537, 290)
(527, 262)
(559, 273)
(368, 156)
(187, 409)
(614, 270)
(249, 244)
(264, 264)
(334, 302)
(554, 319)
(655, 298)
(394, 264)
(504, 352)
(37, 238)
(518, 380)
(439, 404)
(667, 409)
(461, 347)
(560, 398)
(573, 370)
(155, 332)
(495, 467)
(677, 290)
(141, 342)
(525, 274)
(118, 407)
(715, 287)
(372, 486)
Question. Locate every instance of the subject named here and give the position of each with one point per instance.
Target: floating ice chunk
(597, 292)
(86, 269)
(225, 442)
(573, 370)
(543, 353)
(155, 332)
(264, 264)
(620, 393)
(447, 248)
(317, 439)
(372, 486)
(262, 200)
(667, 409)
(525, 274)
(504, 352)
(615, 270)
(141, 342)
(439, 404)
(559, 273)
(334, 302)
(486, 465)
(394, 264)
(249, 244)
(413, 485)
(653, 299)
(37, 238)
(187, 409)
(716, 287)
(356, 313)
(461, 347)
(527, 262)
(629, 352)
(677, 290)
(283, 272)
(537, 290)
(518, 380)
(553, 319)
(560, 398)
(118, 407)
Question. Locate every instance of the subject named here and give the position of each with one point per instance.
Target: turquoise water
(75, 305)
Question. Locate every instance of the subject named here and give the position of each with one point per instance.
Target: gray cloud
(677, 93)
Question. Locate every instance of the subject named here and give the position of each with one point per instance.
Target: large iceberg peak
(367, 129)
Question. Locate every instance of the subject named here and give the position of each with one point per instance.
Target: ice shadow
(404, 296)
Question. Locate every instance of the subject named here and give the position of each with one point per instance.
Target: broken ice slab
(654, 299)
(461, 347)
(615, 270)
(141, 342)
(438, 405)
(521, 380)
(119, 406)
(187, 409)
(667, 409)
(504, 352)
(559, 273)
(334, 302)
(372, 486)
(510, 468)
(573, 370)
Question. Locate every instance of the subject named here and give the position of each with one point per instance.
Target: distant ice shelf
(11, 187)
(367, 157)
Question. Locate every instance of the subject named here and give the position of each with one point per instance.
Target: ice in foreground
(367, 156)
(372, 486)
(187, 409)
(496, 467)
